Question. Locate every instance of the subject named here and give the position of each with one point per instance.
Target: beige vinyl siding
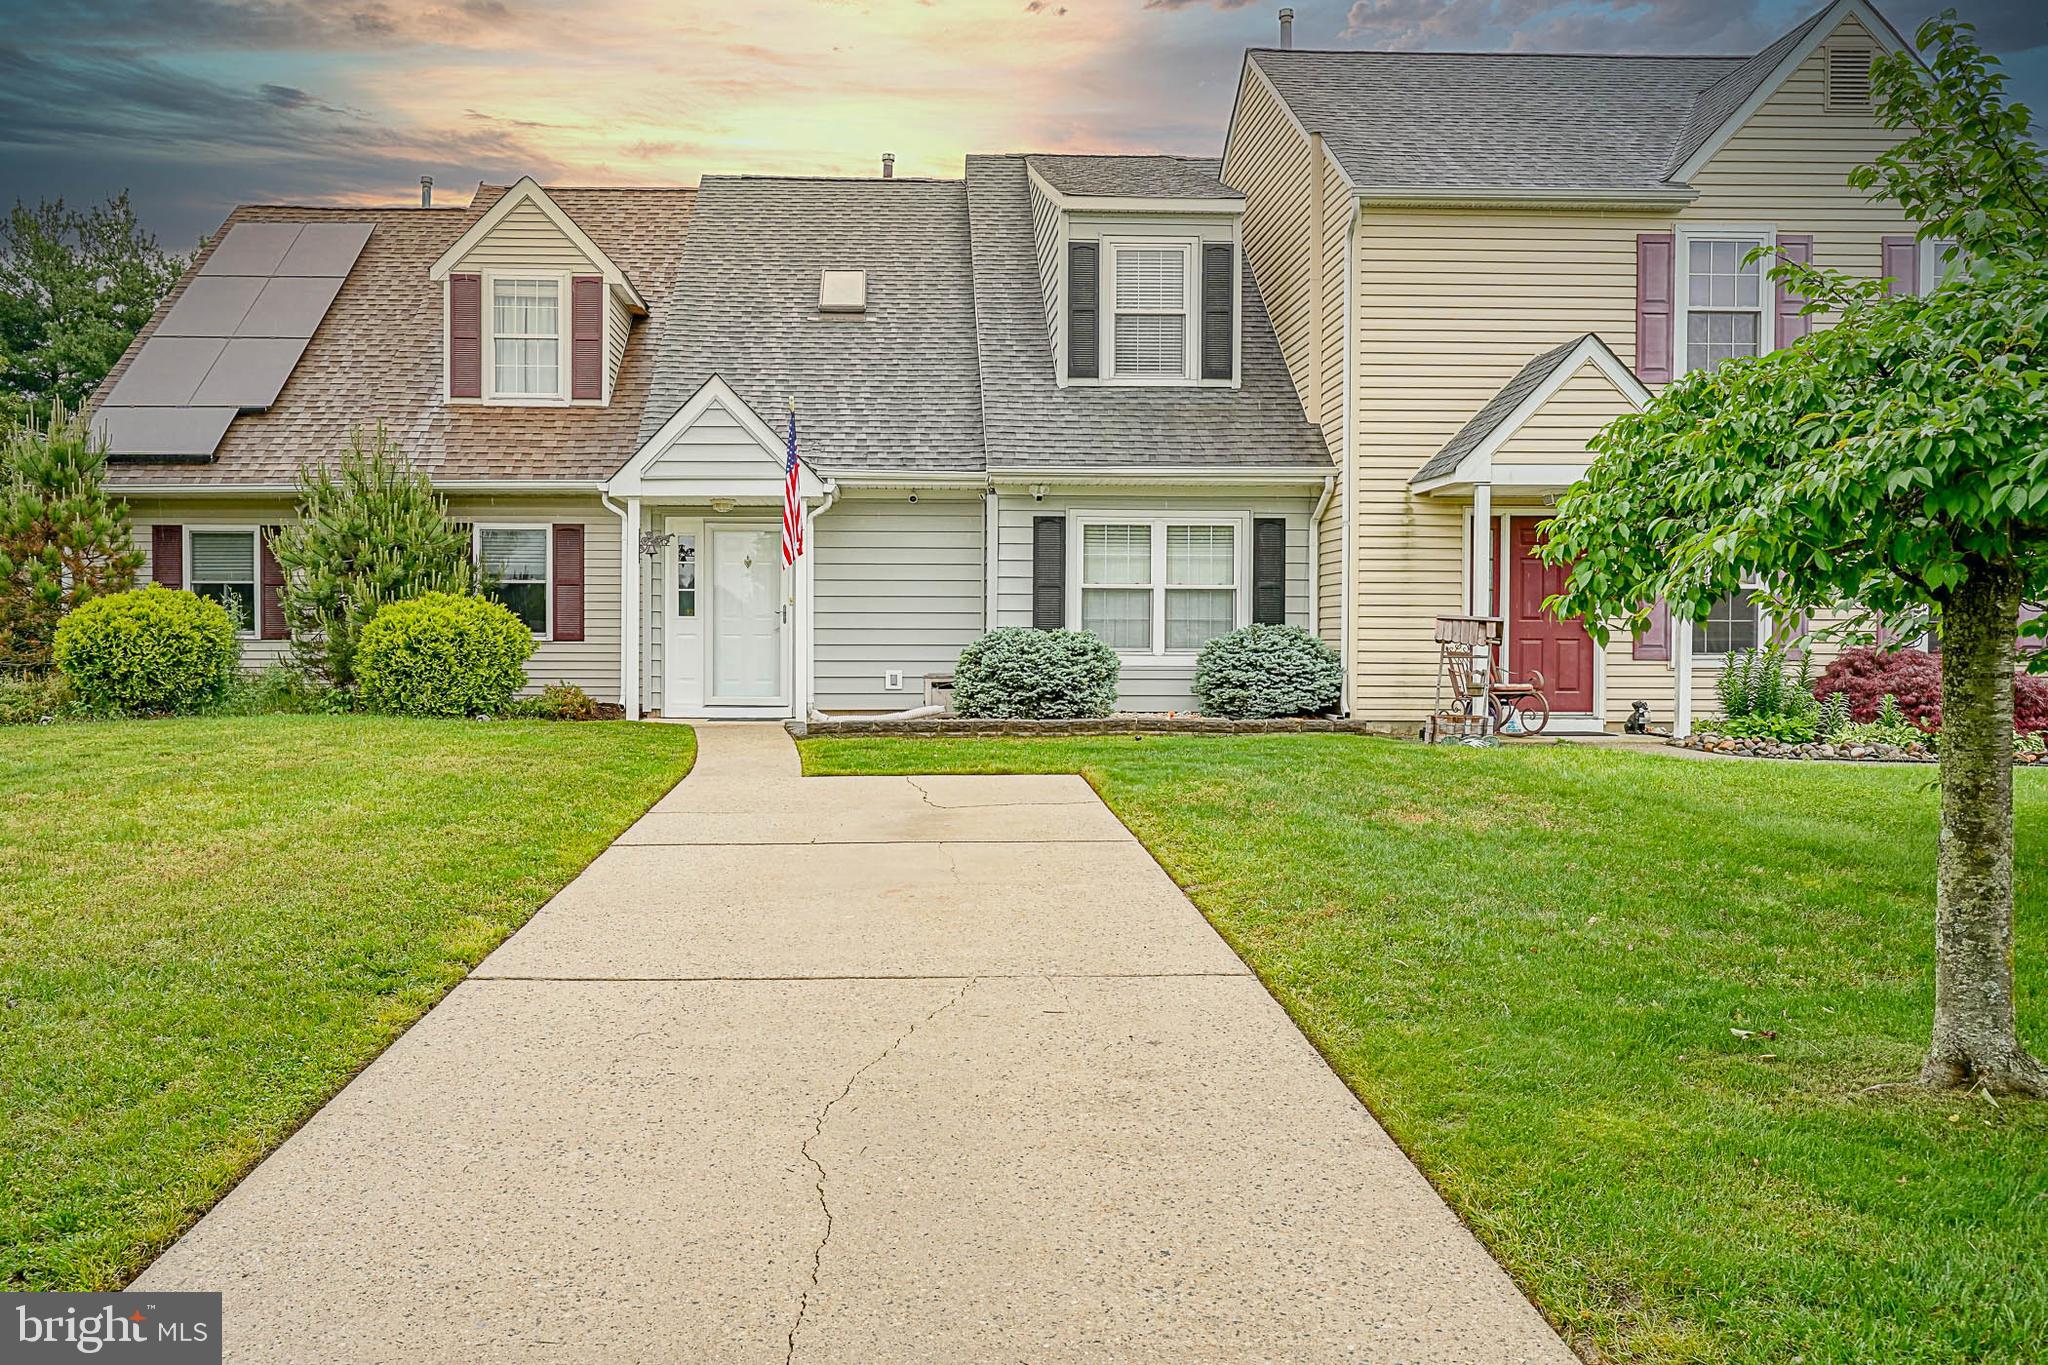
(898, 586)
(1144, 687)
(591, 663)
(618, 325)
(1451, 303)
(1557, 432)
(526, 239)
(1050, 239)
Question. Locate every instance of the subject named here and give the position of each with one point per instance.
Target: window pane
(1152, 278)
(515, 556)
(238, 598)
(1116, 554)
(1731, 627)
(1716, 276)
(1195, 616)
(1151, 344)
(526, 307)
(1121, 616)
(526, 366)
(686, 576)
(223, 556)
(1200, 556)
(1711, 338)
(527, 601)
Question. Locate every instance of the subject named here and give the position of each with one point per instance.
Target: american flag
(792, 509)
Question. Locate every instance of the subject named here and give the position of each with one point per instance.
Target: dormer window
(1154, 281)
(526, 337)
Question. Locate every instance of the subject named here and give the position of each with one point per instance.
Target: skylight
(843, 291)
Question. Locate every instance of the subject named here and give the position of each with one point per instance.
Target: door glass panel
(746, 614)
(686, 575)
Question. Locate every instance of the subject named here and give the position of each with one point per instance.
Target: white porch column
(630, 611)
(1482, 550)
(1681, 667)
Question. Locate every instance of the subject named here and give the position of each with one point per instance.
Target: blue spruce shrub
(442, 655)
(153, 652)
(1261, 672)
(1019, 673)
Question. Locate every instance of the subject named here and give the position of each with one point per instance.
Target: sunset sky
(196, 105)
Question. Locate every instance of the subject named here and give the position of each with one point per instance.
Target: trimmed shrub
(556, 701)
(153, 652)
(1867, 676)
(1262, 672)
(442, 655)
(29, 698)
(1018, 673)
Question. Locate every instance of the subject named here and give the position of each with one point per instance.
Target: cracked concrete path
(878, 1069)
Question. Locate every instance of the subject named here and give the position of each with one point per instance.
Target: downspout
(810, 604)
(629, 626)
(1350, 416)
(990, 529)
(1315, 555)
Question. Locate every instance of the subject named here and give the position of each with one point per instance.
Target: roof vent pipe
(426, 191)
(888, 165)
(1287, 28)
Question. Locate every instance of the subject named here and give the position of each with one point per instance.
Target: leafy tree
(371, 530)
(75, 288)
(1895, 462)
(63, 540)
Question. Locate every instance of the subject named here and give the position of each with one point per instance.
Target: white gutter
(243, 490)
(1394, 197)
(1314, 473)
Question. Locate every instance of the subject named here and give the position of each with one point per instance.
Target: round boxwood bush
(153, 652)
(1018, 673)
(442, 655)
(1259, 672)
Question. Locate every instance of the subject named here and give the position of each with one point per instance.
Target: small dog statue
(1638, 722)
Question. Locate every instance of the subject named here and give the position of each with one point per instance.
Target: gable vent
(843, 291)
(1849, 78)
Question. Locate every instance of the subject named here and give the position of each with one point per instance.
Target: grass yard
(208, 926)
(1532, 963)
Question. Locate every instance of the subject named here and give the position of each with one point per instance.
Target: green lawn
(208, 926)
(1531, 964)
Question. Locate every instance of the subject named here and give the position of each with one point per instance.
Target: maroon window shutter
(1653, 641)
(167, 556)
(586, 336)
(1655, 253)
(1901, 267)
(270, 591)
(465, 336)
(568, 581)
(1793, 324)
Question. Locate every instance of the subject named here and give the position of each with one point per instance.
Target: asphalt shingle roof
(1487, 420)
(893, 388)
(1029, 420)
(377, 357)
(1134, 177)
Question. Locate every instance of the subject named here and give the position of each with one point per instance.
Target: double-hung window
(1160, 585)
(1727, 299)
(526, 337)
(222, 565)
(1151, 286)
(514, 560)
(1734, 625)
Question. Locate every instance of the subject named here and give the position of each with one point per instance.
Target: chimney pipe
(1286, 28)
(426, 191)
(888, 165)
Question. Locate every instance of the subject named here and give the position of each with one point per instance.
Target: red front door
(1537, 641)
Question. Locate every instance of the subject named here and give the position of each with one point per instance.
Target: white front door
(745, 631)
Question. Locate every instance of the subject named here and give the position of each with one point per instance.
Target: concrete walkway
(854, 1069)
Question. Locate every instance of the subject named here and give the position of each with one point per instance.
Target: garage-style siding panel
(899, 586)
(1144, 687)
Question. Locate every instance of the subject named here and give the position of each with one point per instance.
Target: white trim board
(1477, 465)
(631, 479)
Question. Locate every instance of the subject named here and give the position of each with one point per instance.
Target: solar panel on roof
(252, 249)
(162, 432)
(250, 372)
(232, 339)
(211, 306)
(288, 308)
(325, 249)
(167, 372)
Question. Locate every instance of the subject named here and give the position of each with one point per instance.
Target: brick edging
(964, 727)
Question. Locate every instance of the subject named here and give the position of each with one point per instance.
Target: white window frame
(547, 530)
(1935, 271)
(1190, 249)
(255, 534)
(1766, 629)
(564, 328)
(1159, 656)
(1767, 312)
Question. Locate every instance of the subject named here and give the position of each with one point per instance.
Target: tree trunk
(1976, 1038)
